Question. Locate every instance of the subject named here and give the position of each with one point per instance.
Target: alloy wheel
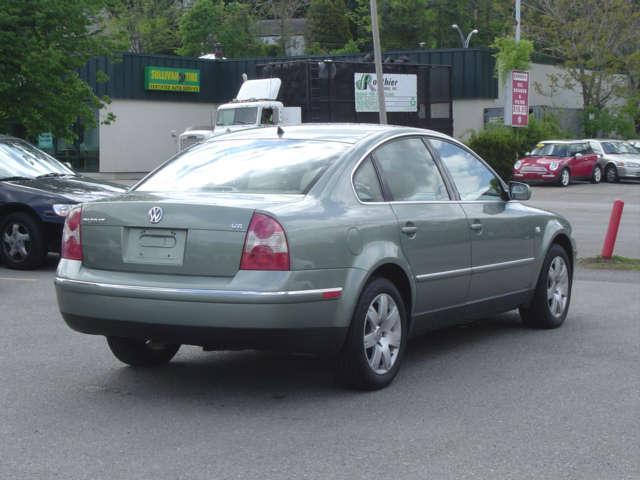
(611, 174)
(557, 286)
(16, 241)
(597, 175)
(382, 333)
(564, 178)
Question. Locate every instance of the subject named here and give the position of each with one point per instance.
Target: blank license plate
(157, 246)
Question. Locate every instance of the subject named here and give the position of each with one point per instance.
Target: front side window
(472, 177)
(246, 166)
(410, 172)
(366, 184)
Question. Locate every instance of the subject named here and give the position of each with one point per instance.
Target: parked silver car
(618, 159)
(346, 239)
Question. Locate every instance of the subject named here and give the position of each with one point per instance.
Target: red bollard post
(612, 231)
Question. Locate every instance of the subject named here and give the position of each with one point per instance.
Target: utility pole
(377, 55)
(517, 21)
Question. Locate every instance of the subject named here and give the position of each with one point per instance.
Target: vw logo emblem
(155, 214)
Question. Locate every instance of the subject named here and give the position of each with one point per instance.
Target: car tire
(611, 174)
(141, 353)
(565, 178)
(375, 345)
(596, 176)
(552, 296)
(22, 241)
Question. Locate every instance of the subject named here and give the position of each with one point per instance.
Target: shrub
(500, 146)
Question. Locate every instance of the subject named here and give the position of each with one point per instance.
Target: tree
(208, 22)
(594, 40)
(145, 26)
(327, 25)
(43, 43)
(403, 23)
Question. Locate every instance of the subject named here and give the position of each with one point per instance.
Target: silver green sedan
(342, 239)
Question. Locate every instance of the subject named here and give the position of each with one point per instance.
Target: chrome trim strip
(445, 274)
(479, 269)
(501, 265)
(195, 294)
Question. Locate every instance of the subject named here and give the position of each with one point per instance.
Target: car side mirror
(519, 191)
(527, 154)
(578, 155)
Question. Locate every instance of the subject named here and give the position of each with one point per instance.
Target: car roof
(604, 140)
(330, 132)
(564, 141)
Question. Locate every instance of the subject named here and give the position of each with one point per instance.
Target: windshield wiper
(8, 179)
(53, 174)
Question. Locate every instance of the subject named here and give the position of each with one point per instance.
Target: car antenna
(280, 131)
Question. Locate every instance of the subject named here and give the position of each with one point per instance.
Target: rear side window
(366, 183)
(473, 179)
(247, 166)
(409, 171)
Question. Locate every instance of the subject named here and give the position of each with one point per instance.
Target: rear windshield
(246, 166)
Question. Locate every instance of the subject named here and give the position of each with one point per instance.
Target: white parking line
(19, 279)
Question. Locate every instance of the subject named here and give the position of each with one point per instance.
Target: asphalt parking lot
(491, 400)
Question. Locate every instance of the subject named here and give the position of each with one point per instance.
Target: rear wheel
(141, 353)
(373, 351)
(565, 178)
(552, 296)
(596, 177)
(22, 241)
(611, 174)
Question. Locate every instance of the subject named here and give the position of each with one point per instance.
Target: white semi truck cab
(255, 106)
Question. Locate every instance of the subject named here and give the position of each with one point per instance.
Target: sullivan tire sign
(400, 92)
(172, 79)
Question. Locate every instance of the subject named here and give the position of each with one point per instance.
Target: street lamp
(465, 43)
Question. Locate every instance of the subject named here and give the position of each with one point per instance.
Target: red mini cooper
(558, 161)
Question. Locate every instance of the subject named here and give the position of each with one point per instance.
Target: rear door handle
(409, 229)
(476, 225)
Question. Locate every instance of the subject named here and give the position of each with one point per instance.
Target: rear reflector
(265, 245)
(71, 245)
(332, 294)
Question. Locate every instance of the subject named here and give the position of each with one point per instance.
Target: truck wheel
(373, 351)
(22, 241)
(141, 353)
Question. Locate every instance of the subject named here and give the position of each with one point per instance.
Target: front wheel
(552, 296)
(141, 353)
(596, 177)
(611, 174)
(373, 351)
(565, 178)
(22, 241)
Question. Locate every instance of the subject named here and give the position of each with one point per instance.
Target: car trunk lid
(186, 234)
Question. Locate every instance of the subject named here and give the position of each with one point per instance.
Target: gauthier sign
(516, 106)
(172, 79)
(400, 92)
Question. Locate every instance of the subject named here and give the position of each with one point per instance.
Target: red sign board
(519, 96)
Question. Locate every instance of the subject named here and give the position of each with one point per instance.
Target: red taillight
(265, 245)
(71, 247)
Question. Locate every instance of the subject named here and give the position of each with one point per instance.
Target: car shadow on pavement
(195, 374)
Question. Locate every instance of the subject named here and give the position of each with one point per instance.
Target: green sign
(172, 79)
(45, 141)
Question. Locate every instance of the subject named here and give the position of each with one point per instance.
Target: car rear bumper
(306, 320)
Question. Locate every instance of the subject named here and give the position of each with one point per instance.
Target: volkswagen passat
(323, 238)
